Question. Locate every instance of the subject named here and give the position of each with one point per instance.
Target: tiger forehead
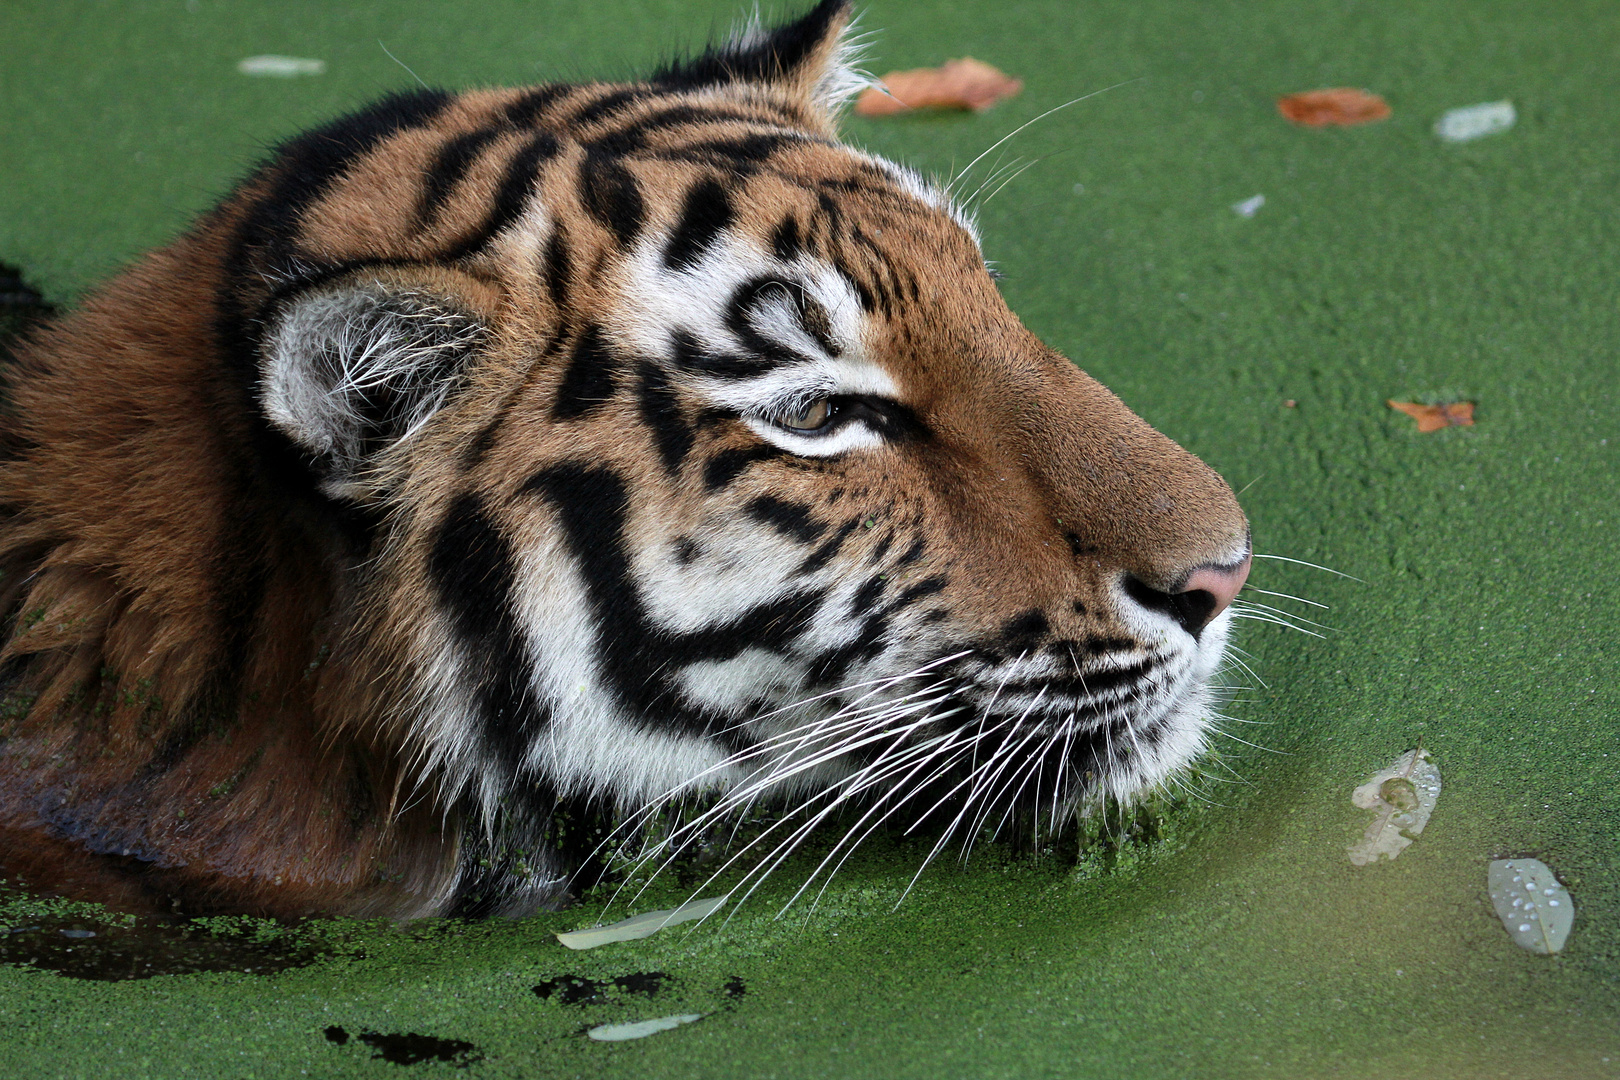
(496, 175)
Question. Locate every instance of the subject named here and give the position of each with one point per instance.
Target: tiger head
(643, 440)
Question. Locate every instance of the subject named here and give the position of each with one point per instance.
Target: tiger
(487, 460)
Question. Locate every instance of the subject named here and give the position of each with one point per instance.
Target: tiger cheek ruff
(572, 446)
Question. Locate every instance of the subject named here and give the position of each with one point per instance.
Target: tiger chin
(484, 454)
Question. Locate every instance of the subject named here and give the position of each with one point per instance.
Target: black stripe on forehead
(609, 104)
(532, 104)
(449, 166)
(611, 195)
(690, 355)
(706, 213)
(633, 134)
(512, 198)
(739, 154)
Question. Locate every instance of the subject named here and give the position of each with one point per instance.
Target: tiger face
(636, 441)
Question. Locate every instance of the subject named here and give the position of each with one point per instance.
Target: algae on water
(1402, 796)
(1531, 902)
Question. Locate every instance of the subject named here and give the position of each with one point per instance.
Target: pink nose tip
(1222, 583)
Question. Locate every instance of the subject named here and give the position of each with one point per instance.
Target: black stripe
(449, 166)
(739, 317)
(1024, 629)
(689, 354)
(786, 240)
(611, 196)
(608, 104)
(587, 383)
(641, 660)
(823, 554)
(517, 187)
(471, 569)
(927, 587)
(661, 411)
(706, 213)
(632, 136)
(528, 108)
(727, 465)
(559, 267)
(791, 519)
(741, 154)
(867, 597)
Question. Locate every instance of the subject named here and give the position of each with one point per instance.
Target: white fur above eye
(850, 436)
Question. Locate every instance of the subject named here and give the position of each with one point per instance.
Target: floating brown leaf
(1435, 417)
(1341, 106)
(957, 84)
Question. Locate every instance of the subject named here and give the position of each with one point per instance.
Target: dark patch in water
(115, 951)
(578, 990)
(411, 1048)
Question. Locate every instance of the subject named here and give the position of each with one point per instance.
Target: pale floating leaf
(1402, 797)
(641, 926)
(1249, 207)
(1532, 904)
(641, 1028)
(280, 67)
(1475, 121)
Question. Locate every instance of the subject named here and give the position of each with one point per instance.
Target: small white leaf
(1475, 121)
(1532, 904)
(641, 925)
(280, 67)
(641, 1028)
(1402, 796)
(1249, 207)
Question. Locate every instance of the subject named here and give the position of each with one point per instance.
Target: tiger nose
(1221, 583)
(1206, 593)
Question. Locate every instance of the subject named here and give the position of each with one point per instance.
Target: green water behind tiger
(1383, 264)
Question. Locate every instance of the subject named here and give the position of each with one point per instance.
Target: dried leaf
(1532, 904)
(957, 84)
(641, 1028)
(1435, 417)
(1342, 106)
(1402, 796)
(280, 67)
(1475, 121)
(641, 926)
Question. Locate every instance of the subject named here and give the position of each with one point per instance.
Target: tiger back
(578, 447)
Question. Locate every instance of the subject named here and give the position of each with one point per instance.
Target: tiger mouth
(1120, 728)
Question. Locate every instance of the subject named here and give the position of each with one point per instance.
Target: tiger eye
(810, 418)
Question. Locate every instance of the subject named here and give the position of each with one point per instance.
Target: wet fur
(314, 519)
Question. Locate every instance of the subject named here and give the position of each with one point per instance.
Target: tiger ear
(810, 58)
(354, 368)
